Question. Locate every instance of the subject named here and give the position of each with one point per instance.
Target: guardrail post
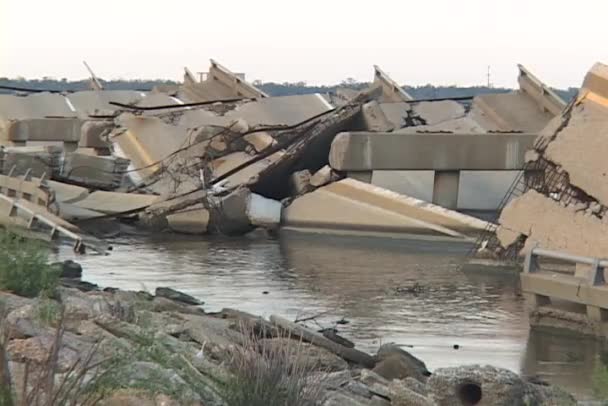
(596, 276)
(531, 262)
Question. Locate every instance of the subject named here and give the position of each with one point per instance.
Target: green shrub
(24, 266)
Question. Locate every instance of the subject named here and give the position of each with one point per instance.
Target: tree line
(428, 91)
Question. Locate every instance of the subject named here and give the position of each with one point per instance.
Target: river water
(412, 293)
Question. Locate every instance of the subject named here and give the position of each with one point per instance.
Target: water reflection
(367, 281)
(565, 359)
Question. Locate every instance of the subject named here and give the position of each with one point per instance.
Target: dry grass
(43, 385)
(272, 375)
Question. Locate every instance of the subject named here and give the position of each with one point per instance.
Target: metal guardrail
(596, 276)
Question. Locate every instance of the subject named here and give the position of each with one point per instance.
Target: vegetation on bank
(25, 268)
(427, 91)
(599, 380)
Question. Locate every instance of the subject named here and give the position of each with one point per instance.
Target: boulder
(70, 269)
(396, 363)
(477, 385)
(322, 177)
(177, 296)
(401, 395)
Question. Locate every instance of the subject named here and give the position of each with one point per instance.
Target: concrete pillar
(445, 189)
(534, 301)
(596, 314)
(364, 176)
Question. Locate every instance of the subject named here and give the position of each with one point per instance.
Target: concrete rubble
(217, 155)
(564, 204)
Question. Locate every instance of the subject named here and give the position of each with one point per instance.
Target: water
(367, 281)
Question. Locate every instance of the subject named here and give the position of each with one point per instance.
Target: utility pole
(489, 81)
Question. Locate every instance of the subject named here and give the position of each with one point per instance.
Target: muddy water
(403, 291)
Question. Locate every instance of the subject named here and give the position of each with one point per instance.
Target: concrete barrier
(363, 151)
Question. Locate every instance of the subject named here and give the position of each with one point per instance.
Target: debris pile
(218, 155)
(561, 203)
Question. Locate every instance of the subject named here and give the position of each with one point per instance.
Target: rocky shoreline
(135, 348)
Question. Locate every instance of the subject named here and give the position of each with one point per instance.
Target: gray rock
(345, 399)
(177, 296)
(396, 363)
(476, 385)
(537, 394)
(332, 380)
(415, 385)
(70, 269)
(401, 395)
(375, 383)
(358, 388)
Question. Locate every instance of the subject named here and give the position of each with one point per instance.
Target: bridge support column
(445, 189)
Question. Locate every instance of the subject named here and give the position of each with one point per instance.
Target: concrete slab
(581, 148)
(363, 151)
(355, 206)
(90, 102)
(284, 110)
(113, 202)
(515, 111)
(39, 160)
(555, 227)
(391, 91)
(147, 141)
(105, 172)
(220, 84)
(66, 193)
(544, 96)
(468, 124)
(43, 129)
(193, 220)
(227, 163)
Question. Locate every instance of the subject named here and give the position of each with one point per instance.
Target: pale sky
(443, 42)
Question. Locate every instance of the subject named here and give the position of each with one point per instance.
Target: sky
(443, 42)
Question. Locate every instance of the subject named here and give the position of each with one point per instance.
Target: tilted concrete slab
(147, 141)
(97, 102)
(364, 151)
(391, 91)
(226, 163)
(541, 93)
(581, 147)
(515, 111)
(220, 84)
(284, 110)
(351, 205)
(66, 193)
(114, 202)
